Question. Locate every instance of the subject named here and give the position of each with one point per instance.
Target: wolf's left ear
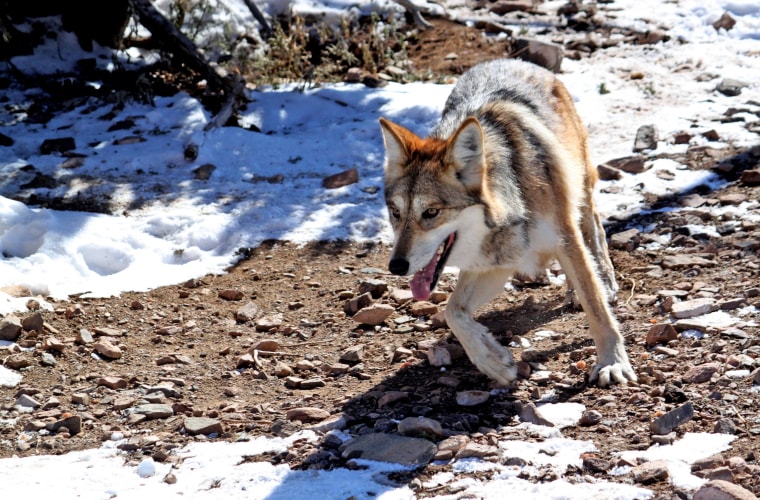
(396, 153)
(466, 153)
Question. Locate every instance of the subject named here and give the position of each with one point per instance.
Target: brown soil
(190, 335)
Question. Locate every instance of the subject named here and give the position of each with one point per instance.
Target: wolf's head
(431, 187)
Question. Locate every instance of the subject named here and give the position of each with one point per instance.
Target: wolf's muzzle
(399, 267)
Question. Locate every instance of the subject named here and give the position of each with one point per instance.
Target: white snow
(166, 227)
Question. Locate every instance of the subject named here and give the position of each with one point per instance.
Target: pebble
(472, 398)
(247, 312)
(651, 472)
(661, 334)
(382, 447)
(700, 373)
(418, 426)
(105, 348)
(722, 490)
(10, 328)
(694, 307)
(202, 425)
(153, 411)
(373, 314)
(669, 421)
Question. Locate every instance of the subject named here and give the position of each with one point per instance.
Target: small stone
(438, 356)
(202, 425)
(112, 382)
(646, 138)
(722, 490)
(700, 373)
(668, 422)
(730, 87)
(400, 296)
(547, 55)
(268, 323)
(724, 426)
(345, 178)
(10, 328)
(18, 361)
(626, 240)
(247, 312)
(423, 308)
(153, 411)
(307, 414)
(266, 345)
(84, 337)
(651, 472)
(420, 426)
(376, 288)
(47, 359)
(203, 173)
(694, 307)
(27, 401)
(33, 322)
(354, 304)
(472, 398)
(232, 295)
(374, 314)
(353, 354)
(107, 332)
(57, 145)
(661, 334)
(72, 423)
(106, 349)
(590, 417)
(382, 447)
(53, 344)
(681, 261)
(529, 413)
(631, 164)
(725, 22)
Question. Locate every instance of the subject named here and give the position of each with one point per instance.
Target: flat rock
(722, 490)
(694, 307)
(700, 373)
(661, 334)
(681, 261)
(651, 472)
(307, 414)
(411, 451)
(472, 398)
(106, 349)
(10, 328)
(247, 312)
(417, 426)
(202, 425)
(668, 422)
(373, 314)
(153, 411)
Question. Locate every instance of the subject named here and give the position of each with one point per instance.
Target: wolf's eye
(395, 212)
(431, 213)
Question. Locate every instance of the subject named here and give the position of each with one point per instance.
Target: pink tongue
(422, 279)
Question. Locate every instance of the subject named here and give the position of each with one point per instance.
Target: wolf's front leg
(473, 290)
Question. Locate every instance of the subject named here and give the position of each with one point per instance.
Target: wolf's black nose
(398, 266)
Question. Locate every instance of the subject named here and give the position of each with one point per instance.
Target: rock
(72, 423)
(680, 261)
(694, 307)
(33, 322)
(6, 141)
(725, 22)
(376, 288)
(203, 173)
(608, 173)
(724, 426)
(84, 337)
(651, 472)
(700, 373)
(529, 413)
(112, 382)
(477, 450)
(202, 425)
(450, 446)
(631, 164)
(423, 308)
(153, 411)
(18, 361)
(107, 332)
(231, 295)
(373, 314)
(106, 349)
(27, 401)
(722, 490)
(419, 426)
(472, 398)
(53, 344)
(353, 305)
(270, 322)
(547, 55)
(661, 333)
(391, 397)
(345, 178)
(58, 145)
(10, 328)
(410, 451)
(626, 240)
(646, 138)
(593, 463)
(668, 422)
(501, 7)
(438, 356)
(750, 177)
(247, 312)
(730, 87)
(400, 296)
(353, 354)
(47, 359)
(590, 417)
(265, 345)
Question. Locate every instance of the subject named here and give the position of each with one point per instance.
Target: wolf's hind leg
(472, 291)
(595, 239)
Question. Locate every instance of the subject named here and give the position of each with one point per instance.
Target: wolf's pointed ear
(466, 152)
(395, 138)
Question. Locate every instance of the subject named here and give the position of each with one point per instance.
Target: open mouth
(424, 281)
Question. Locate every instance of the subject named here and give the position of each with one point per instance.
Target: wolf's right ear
(395, 138)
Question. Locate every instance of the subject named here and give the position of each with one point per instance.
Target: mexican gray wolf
(503, 185)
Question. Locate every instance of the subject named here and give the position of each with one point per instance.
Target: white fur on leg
(473, 290)
(613, 366)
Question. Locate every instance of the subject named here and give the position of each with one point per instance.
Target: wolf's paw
(498, 364)
(620, 373)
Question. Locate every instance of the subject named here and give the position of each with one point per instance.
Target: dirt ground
(191, 345)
